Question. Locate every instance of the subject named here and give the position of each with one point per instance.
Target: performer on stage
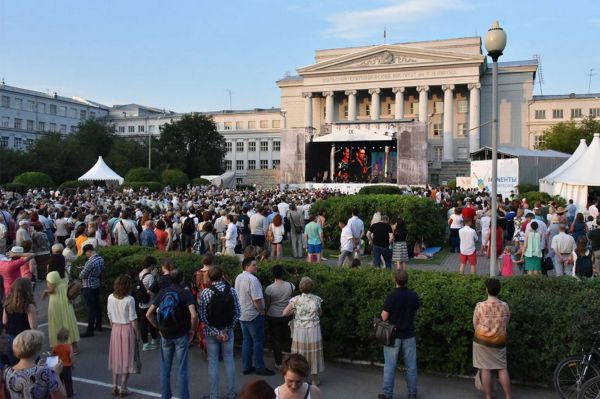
(343, 166)
(358, 169)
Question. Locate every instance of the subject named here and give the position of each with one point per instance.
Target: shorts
(315, 249)
(471, 259)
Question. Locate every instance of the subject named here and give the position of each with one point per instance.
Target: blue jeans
(390, 354)
(213, 347)
(253, 342)
(386, 252)
(168, 349)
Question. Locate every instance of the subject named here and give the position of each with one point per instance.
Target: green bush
(423, 217)
(382, 189)
(451, 184)
(15, 188)
(174, 178)
(525, 188)
(534, 196)
(199, 181)
(34, 180)
(74, 184)
(550, 317)
(141, 174)
(153, 186)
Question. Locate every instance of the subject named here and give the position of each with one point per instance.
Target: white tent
(101, 171)
(574, 181)
(547, 182)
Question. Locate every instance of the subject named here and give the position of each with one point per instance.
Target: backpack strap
(307, 391)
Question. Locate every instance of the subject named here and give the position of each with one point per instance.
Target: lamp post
(495, 41)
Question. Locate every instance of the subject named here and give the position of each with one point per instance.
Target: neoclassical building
(445, 84)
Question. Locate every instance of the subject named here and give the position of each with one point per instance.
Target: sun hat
(560, 210)
(16, 251)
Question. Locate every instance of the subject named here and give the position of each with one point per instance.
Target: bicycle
(590, 389)
(571, 374)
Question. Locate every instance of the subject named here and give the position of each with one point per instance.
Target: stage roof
(351, 135)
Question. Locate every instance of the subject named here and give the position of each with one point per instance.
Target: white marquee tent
(573, 182)
(101, 171)
(547, 182)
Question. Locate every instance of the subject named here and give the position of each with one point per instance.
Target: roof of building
(116, 107)
(569, 96)
(517, 63)
(53, 96)
(524, 152)
(241, 111)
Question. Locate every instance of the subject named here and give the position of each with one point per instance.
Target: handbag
(547, 264)
(384, 332)
(137, 361)
(478, 381)
(74, 289)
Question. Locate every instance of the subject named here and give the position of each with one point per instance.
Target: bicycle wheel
(590, 389)
(568, 378)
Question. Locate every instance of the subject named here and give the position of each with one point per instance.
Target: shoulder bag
(383, 332)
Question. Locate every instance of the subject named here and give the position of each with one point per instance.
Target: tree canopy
(565, 136)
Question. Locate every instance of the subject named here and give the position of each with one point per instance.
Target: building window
(461, 129)
(82, 114)
(345, 111)
(251, 164)
(435, 178)
(264, 164)
(63, 128)
(575, 112)
(228, 146)
(275, 123)
(594, 112)
(131, 129)
(4, 142)
(239, 146)
(52, 109)
(462, 106)
(28, 144)
(5, 121)
(18, 143)
(62, 111)
(73, 129)
(438, 153)
(390, 108)
(462, 152)
(264, 146)
(276, 164)
(437, 129)
(6, 101)
(239, 125)
(18, 123)
(92, 115)
(239, 180)
(368, 110)
(277, 146)
(227, 125)
(41, 126)
(30, 105)
(414, 107)
(438, 107)
(42, 108)
(73, 112)
(228, 164)
(540, 114)
(53, 127)
(264, 124)
(18, 103)
(30, 125)
(121, 129)
(151, 128)
(252, 146)
(141, 128)
(239, 164)
(557, 114)
(251, 124)
(539, 140)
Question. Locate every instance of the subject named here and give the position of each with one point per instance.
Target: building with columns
(445, 84)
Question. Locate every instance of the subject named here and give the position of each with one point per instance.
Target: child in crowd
(507, 262)
(355, 263)
(591, 223)
(64, 351)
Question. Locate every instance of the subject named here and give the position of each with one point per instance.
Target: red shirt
(468, 212)
(161, 239)
(10, 270)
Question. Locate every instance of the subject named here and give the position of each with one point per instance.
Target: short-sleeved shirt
(185, 300)
(249, 290)
(402, 305)
(279, 294)
(313, 231)
(381, 234)
(37, 382)
(121, 311)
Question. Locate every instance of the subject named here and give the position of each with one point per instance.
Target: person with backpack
(173, 313)
(125, 232)
(188, 228)
(583, 259)
(219, 312)
(145, 292)
(205, 240)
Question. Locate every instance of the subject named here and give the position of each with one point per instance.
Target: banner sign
(508, 175)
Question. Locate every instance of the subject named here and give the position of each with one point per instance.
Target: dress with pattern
(306, 335)
(34, 383)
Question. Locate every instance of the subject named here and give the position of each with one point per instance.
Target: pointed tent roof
(101, 171)
(576, 155)
(583, 171)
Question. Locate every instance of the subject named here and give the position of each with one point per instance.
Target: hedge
(174, 178)
(141, 174)
(34, 180)
(525, 188)
(381, 189)
(74, 184)
(534, 196)
(153, 186)
(15, 188)
(550, 317)
(199, 181)
(423, 217)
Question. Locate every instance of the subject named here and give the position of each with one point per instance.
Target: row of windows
(264, 146)
(438, 108)
(41, 126)
(461, 153)
(240, 164)
(241, 125)
(140, 129)
(438, 129)
(18, 142)
(53, 109)
(559, 114)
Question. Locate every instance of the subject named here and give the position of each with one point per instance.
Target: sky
(189, 55)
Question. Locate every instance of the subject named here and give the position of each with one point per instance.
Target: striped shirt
(90, 275)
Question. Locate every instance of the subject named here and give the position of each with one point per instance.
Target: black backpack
(200, 246)
(170, 315)
(584, 267)
(188, 226)
(220, 310)
(141, 293)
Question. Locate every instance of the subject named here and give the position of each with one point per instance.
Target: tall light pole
(149, 145)
(495, 41)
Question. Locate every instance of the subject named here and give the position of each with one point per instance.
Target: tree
(141, 174)
(34, 180)
(565, 136)
(126, 154)
(193, 145)
(174, 178)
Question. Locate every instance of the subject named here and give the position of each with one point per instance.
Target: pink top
(10, 270)
(507, 266)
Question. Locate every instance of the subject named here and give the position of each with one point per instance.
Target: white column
(375, 104)
(474, 135)
(423, 98)
(308, 110)
(448, 133)
(399, 102)
(270, 153)
(351, 104)
(328, 106)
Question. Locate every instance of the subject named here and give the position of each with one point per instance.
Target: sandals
(125, 392)
(115, 391)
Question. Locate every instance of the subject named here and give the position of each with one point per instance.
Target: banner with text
(508, 175)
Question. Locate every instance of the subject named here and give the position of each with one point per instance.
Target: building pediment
(390, 57)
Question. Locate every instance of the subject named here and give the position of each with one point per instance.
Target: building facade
(549, 110)
(25, 115)
(445, 84)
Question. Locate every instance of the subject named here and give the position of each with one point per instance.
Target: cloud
(365, 23)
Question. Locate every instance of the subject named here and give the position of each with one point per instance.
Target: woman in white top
(123, 354)
(275, 235)
(455, 222)
(295, 370)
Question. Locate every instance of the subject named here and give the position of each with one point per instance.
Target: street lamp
(495, 41)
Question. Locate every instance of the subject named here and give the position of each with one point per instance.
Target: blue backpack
(169, 315)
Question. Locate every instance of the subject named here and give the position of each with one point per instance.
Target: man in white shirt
(593, 209)
(258, 229)
(346, 244)
(283, 208)
(562, 245)
(358, 229)
(231, 236)
(468, 251)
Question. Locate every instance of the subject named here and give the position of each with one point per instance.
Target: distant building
(25, 115)
(138, 121)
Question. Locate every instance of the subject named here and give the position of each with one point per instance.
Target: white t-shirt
(231, 236)
(249, 289)
(593, 210)
(121, 311)
(457, 221)
(346, 239)
(61, 227)
(278, 233)
(468, 238)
